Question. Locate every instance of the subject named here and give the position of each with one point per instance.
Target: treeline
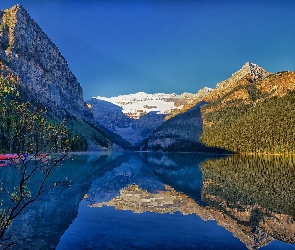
(23, 125)
(265, 127)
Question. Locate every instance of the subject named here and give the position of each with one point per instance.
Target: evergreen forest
(25, 124)
(265, 127)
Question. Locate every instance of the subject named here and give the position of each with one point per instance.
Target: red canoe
(9, 156)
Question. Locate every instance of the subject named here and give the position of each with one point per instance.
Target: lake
(163, 201)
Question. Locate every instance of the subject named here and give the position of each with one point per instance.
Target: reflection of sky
(102, 228)
(119, 47)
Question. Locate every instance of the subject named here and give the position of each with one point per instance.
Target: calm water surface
(164, 201)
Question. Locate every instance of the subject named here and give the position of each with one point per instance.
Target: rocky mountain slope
(37, 62)
(188, 100)
(250, 71)
(30, 59)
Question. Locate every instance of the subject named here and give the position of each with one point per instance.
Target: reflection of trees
(257, 192)
(266, 180)
(22, 184)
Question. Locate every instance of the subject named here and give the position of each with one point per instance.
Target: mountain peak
(249, 64)
(9, 20)
(254, 71)
(18, 8)
(251, 67)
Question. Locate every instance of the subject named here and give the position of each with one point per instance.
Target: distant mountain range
(250, 112)
(134, 117)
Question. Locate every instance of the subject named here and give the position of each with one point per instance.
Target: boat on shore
(8, 159)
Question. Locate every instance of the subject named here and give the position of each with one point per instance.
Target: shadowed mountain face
(180, 134)
(173, 133)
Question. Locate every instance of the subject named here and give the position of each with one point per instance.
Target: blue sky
(122, 47)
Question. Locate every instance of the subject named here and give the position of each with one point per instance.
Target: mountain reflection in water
(138, 201)
(250, 196)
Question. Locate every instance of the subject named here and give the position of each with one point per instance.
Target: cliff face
(35, 60)
(32, 61)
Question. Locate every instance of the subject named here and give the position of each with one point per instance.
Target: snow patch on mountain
(138, 104)
(110, 116)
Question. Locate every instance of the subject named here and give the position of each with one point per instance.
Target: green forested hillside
(20, 112)
(264, 127)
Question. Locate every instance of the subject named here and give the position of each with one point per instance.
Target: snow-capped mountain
(141, 103)
(133, 130)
